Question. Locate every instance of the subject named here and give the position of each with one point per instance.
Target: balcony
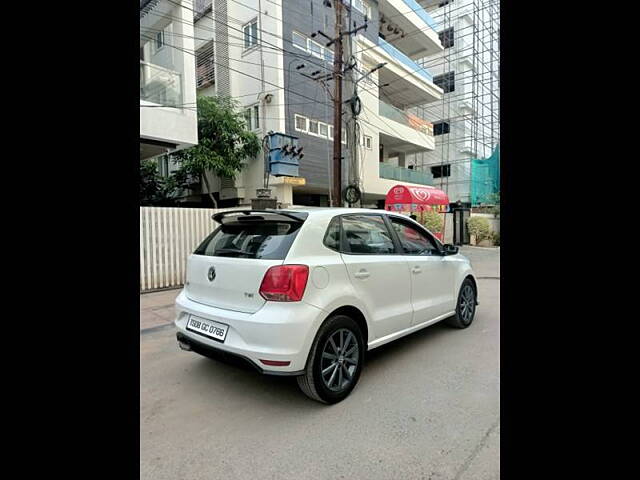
(160, 85)
(391, 172)
(402, 58)
(406, 25)
(422, 13)
(405, 118)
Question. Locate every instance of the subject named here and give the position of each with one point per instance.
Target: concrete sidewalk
(157, 308)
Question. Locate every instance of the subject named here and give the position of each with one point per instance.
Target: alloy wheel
(467, 304)
(339, 361)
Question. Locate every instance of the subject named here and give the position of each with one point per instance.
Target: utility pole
(337, 109)
(350, 86)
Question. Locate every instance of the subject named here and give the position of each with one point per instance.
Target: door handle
(416, 270)
(362, 274)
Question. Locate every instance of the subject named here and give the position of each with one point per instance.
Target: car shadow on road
(240, 381)
(407, 345)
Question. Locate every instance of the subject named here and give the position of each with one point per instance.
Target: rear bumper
(278, 331)
(188, 343)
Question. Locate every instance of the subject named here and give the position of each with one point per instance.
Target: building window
(250, 34)
(313, 127)
(324, 129)
(316, 49)
(446, 37)
(331, 132)
(440, 128)
(300, 123)
(446, 2)
(328, 55)
(446, 81)
(299, 41)
(160, 40)
(363, 7)
(441, 171)
(367, 142)
(344, 136)
(204, 65)
(252, 117)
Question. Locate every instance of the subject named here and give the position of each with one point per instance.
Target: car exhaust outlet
(184, 346)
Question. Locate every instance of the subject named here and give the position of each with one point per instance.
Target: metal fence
(167, 237)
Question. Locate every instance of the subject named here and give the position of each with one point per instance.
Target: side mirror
(449, 249)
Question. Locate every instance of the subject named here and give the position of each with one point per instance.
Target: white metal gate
(167, 237)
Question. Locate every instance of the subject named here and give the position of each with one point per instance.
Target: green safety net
(485, 178)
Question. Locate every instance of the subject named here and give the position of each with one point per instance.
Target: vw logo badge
(212, 274)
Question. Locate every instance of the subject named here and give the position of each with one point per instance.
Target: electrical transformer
(284, 155)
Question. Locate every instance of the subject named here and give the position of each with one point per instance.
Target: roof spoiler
(296, 216)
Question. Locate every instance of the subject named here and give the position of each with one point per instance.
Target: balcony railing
(391, 172)
(421, 12)
(160, 85)
(405, 118)
(398, 55)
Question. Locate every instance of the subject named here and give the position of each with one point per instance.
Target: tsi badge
(212, 274)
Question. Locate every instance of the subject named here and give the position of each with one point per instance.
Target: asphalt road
(427, 407)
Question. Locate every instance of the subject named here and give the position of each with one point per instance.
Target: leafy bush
(496, 238)
(432, 221)
(480, 227)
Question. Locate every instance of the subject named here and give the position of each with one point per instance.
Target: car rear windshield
(269, 240)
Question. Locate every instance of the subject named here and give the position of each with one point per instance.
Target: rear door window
(269, 240)
(367, 234)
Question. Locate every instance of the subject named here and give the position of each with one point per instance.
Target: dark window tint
(441, 171)
(440, 128)
(332, 237)
(367, 234)
(446, 37)
(267, 240)
(413, 241)
(446, 81)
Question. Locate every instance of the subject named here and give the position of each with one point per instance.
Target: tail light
(284, 283)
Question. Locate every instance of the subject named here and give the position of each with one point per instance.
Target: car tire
(465, 305)
(342, 372)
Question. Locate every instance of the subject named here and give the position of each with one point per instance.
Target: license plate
(208, 328)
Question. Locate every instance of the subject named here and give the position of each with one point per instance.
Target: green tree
(151, 183)
(223, 142)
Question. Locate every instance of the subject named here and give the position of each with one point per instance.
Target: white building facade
(269, 55)
(168, 119)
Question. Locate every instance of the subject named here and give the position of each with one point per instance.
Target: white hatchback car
(306, 292)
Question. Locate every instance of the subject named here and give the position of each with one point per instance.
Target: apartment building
(467, 119)
(168, 120)
(269, 57)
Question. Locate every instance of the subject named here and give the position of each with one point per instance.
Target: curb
(157, 327)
